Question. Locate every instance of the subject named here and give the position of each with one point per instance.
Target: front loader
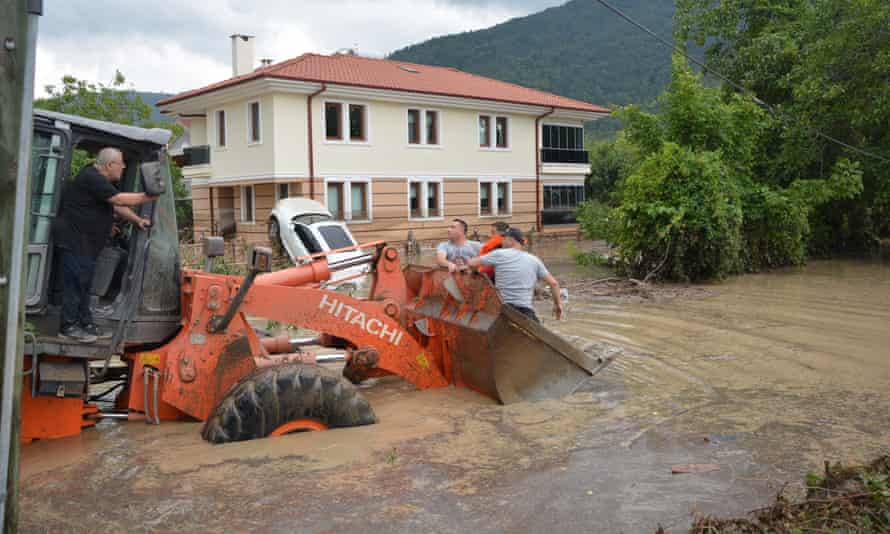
(190, 352)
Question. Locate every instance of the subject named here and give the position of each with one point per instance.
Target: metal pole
(22, 51)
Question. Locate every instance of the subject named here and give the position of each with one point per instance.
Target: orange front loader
(189, 351)
(424, 325)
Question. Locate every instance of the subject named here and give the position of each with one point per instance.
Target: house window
(335, 199)
(501, 132)
(503, 198)
(494, 197)
(247, 213)
(413, 126)
(357, 123)
(333, 119)
(282, 191)
(254, 128)
(561, 202)
(221, 128)
(358, 201)
(485, 198)
(432, 127)
(349, 200)
(563, 197)
(563, 144)
(425, 198)
(414, 195)
(484, 131)
(432, 199)
(423, 127)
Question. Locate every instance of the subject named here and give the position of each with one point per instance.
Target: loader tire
(272, 397)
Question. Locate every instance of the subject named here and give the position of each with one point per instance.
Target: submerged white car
(302, 227)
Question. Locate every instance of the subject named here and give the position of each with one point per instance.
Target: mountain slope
(580, 50)
(152, 99)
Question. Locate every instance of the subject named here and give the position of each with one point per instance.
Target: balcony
(196, 155)
(564, 155)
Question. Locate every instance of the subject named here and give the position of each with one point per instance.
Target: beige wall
(238, 159)
(387, 152)
(391, 222)
(290, 134)
(197, 128)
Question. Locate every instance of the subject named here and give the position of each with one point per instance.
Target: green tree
(610, 162)
(117, 103)
(698, 206)
(823, 67)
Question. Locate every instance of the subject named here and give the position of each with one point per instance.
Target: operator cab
(135, 291)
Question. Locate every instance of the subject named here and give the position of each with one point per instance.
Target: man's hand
(557, 310)
(143, 223)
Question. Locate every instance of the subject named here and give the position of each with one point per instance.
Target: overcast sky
(175, 45)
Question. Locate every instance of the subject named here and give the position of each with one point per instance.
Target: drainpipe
(538, 219)
(324, 87)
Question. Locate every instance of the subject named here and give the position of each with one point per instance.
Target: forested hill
(152, 99)
(580, 50)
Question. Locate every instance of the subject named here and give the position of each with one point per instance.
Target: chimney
(265, 62)
(242, 54)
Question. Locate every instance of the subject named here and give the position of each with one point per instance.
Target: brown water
(765, 375)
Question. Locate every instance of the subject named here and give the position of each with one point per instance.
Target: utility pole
(18, 43)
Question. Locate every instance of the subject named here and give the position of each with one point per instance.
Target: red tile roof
(344, 69)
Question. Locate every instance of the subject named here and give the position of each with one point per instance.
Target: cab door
(48, 168)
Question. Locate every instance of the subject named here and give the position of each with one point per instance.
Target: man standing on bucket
(517, 273)
(457, 251)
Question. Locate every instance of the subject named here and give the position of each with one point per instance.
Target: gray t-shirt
(516, 273)
(460, 254)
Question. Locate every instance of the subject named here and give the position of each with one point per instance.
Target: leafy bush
(699, 205)
(680, 215)
(610, 162)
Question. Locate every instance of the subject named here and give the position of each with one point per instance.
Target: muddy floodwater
(765, 376)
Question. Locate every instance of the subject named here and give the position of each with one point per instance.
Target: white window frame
(344, 126)
(225, 125)
(424, 142)
(493, 132)
(494, 197)
(251, 142)
(347, 197)
(424, 208)
(278, 193)
(244, 189)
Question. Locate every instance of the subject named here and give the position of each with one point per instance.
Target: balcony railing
(564, 155)
(196, 155)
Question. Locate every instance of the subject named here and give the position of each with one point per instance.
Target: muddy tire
(271, 397)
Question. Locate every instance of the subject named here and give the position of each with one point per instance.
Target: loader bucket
(488, 346)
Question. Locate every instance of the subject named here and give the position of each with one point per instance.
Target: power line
(736, 86)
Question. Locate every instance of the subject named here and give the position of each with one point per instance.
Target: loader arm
(363, 323)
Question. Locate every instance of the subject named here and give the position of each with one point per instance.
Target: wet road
(764, 375)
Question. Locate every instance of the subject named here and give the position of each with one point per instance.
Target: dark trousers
(77, 280)
(528, 312)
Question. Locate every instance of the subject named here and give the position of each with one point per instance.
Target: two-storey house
(387, 146)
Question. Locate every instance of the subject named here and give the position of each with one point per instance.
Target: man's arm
(557, 298)
(442, 259)
(127, 214)
(129, 199)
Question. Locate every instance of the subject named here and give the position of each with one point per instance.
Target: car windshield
(311, 218)
(335, 236)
